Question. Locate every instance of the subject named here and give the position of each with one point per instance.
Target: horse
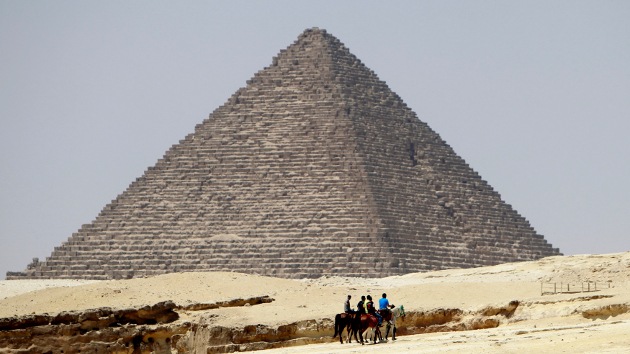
(390, 316)
(344, 321)
(365, 322)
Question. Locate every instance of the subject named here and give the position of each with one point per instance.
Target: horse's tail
(337, 325)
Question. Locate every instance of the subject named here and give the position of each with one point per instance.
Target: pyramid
(314, 168)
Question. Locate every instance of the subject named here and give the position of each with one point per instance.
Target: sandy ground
(542, 323)
(596, 337)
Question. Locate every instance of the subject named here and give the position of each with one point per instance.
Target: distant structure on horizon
(314, 168)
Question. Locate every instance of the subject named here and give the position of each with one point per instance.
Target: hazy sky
(534, 95)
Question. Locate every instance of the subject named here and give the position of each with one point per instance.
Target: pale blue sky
(534, 95)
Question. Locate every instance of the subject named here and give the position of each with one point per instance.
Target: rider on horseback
(383, 305)
(372, 310)
(361, 305)
(346, 305)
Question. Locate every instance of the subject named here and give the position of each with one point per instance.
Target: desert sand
(578, 321)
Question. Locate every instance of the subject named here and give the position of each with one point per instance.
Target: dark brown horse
(345, 321)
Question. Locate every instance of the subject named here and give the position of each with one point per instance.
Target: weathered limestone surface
(315, 167)
(157, 329)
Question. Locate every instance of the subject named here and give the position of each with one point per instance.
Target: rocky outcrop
(97, 318)
(230, 303)
(218, 339)
(446, 320)
(606, 311)
(156, 329)
(102, 330)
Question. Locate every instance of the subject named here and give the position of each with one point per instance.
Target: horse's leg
(349, 332)
(340, 333)
(394, 333)
(359, 328)
(352, 329)
(363, 332)
(387, 331)
(337, 320)
(341, 326)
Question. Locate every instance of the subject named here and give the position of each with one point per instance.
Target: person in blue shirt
(383, 303)
(383, 307)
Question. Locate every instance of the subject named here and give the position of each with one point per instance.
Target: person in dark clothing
(346, 305)
(372, 310)
(361, 305)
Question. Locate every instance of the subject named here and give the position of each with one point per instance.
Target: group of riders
(367, 316)
(366, 305)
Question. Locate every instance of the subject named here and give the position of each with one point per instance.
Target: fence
(568, 288)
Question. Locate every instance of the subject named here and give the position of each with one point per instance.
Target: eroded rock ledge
(156, 329)
(231, 303)
(96, 319)
(101, 330)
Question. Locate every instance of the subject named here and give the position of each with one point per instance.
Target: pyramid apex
(313, 32)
